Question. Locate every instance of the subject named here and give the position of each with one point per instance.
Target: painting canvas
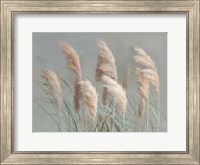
(99, 82)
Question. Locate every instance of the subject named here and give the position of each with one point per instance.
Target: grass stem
(148, 115)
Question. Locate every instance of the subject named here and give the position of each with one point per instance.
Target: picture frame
(10, 8)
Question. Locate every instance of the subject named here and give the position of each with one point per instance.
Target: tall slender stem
(113, 116)
(158, 107)
(93, 125)
(147, 114)
(123, 121)
(84, 120)
(140, 122)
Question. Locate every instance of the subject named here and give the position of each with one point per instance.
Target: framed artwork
(100, 82)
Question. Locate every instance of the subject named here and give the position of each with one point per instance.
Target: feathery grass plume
(152, 76)
(105, 66)
(116, 91)
(74, 64)
(143, 83)
(54, 86)
(143, 58)
(88, 92)
(143, 90)
(150, 72)
(106, 62)
(73, 58)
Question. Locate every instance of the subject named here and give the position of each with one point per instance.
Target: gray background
(45, 46)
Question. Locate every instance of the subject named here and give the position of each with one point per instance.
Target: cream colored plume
(106, 62)
(116, 91)
(105, 66)
(88, 92)
(73, 58)
(54, 86)
(150, 71)
(143, 83)
(152, 76)
(143, 90)
(146, 75)
(143, 59)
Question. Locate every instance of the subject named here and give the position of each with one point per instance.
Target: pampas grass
(77, 95)
(143, 58)
(143, 83)
(53, 84)
(142, 107)
(106, 62)
(104, 96)
(116, 91)
(105, 66)
(143, 91)
(150, 71)
(152, 76)
(74, 64)
(73, 58)
(81, 109)
(145, 76)
(90, 96)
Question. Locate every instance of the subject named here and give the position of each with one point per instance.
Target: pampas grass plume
(88, 92)
(116, 91)
(54, 86)
(143, 83)
(146, 75)
(105, 66)
(143, 58)
(73, 58)
(150, 72)
(106, 62)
